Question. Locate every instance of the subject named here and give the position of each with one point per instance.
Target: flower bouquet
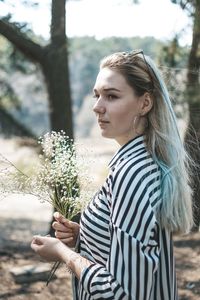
(60, 178)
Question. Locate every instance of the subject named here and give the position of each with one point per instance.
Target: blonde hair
(162, 138)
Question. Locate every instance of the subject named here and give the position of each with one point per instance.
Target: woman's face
(116, 106)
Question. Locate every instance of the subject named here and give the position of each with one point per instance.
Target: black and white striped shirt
(132, 256)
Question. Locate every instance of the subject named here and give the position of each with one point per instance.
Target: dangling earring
(143, 124)
(135, 124)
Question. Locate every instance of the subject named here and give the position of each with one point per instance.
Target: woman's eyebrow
(109, 89)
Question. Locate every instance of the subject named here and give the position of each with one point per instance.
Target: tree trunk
(192, 137)
(55, 69)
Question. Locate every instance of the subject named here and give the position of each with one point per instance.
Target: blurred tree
(192, 136)
(173, 63)
(53, 60)
(171, 52)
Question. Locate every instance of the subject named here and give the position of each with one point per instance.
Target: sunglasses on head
(137, 52)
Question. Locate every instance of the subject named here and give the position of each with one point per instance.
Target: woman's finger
(38, 240)
(63, 235)
(67, 240)
(60, 227)
(36, 243)
(67, 223)
(60, 218)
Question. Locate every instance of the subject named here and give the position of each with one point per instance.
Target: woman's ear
(146, 104)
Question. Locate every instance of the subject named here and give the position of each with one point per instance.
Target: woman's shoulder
(136, 169)
(135, 162)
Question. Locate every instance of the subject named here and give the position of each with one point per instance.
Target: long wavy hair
(162, 138)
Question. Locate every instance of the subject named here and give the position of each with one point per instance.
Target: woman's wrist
(65, 253)
(75, 263)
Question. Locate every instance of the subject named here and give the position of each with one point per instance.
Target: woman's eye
(111, 97)
(95, 96)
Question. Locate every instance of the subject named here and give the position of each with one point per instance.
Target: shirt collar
(128, 149)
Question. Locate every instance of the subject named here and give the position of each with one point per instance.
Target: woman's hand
(65, 230)
(52, 249)
(49, 248)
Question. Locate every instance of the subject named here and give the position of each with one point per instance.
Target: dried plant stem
(10, 163)
(52, 272)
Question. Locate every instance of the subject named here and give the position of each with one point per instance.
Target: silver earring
(143, 122)
(135, 124)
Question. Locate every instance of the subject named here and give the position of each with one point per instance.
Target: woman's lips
(102, 123)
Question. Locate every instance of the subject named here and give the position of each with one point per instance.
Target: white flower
(60, 177)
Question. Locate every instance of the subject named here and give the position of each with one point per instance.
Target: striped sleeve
(134, 252)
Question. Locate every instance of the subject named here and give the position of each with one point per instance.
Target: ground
(15, 237)
(15, 252)
(187, 253)
(22, 217)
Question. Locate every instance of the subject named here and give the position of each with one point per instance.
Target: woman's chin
(106, 135)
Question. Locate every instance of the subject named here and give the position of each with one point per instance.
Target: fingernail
(56, 214)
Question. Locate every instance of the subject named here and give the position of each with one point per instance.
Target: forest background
(33, 99)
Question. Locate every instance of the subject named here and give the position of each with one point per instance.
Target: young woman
(125, 234)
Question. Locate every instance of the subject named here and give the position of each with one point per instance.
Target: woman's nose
(99, 108)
